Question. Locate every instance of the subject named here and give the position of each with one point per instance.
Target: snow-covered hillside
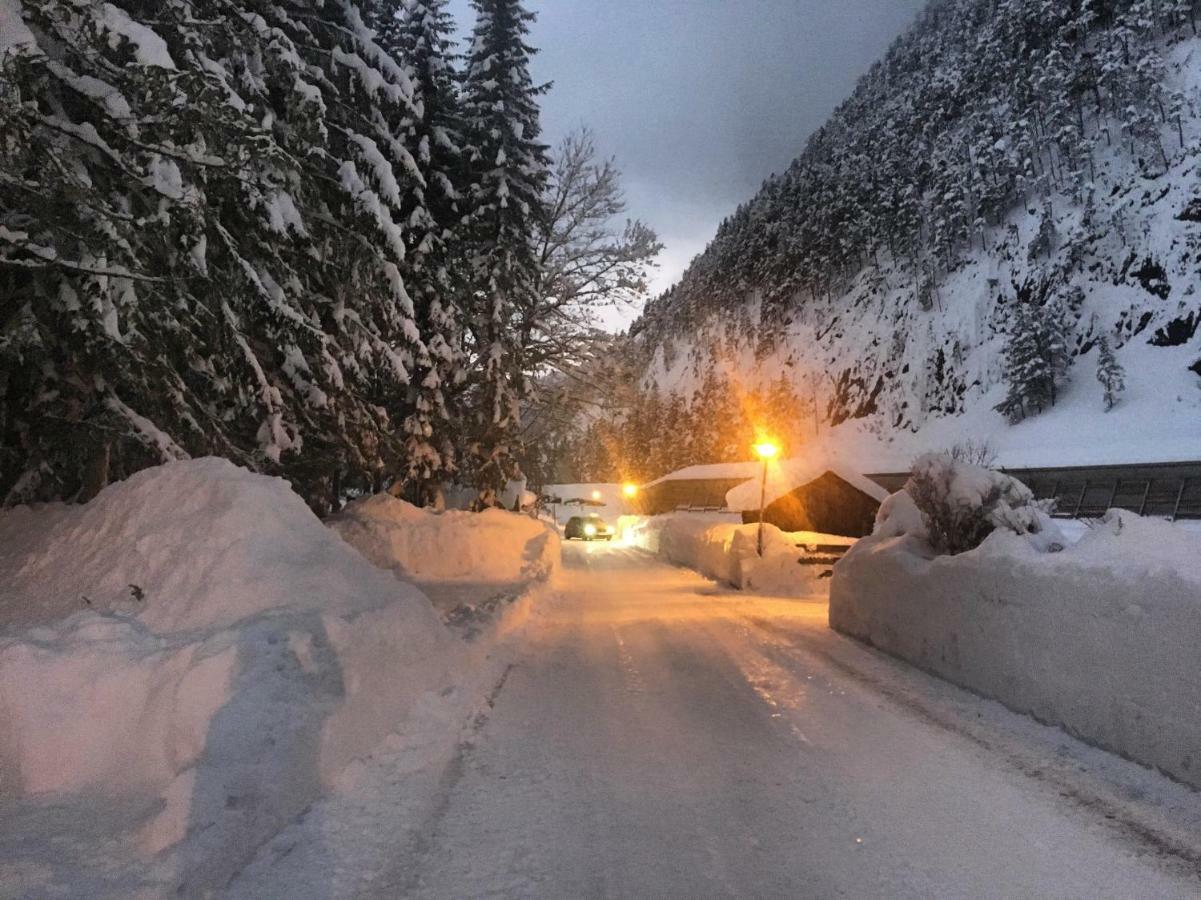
(901, 325)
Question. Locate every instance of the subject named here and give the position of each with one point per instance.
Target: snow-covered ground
(658, 736)
(191, 659)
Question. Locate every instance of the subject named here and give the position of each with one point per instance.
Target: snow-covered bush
(962, 504)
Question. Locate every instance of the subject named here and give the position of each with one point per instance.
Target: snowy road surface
(659, 737)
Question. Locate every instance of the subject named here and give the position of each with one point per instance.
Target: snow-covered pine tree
(508, 169)
(1026, 370)
(200, 243)
(1110, 373)
(418, 34)
(1037, 355)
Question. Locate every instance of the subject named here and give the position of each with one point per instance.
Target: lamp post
(766, 451)
(629, 491)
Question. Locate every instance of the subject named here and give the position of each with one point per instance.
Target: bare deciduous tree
(587, 260)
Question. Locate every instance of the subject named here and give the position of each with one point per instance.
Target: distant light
(630, 490)
(596, 495)
(767, 450)
(590, 530)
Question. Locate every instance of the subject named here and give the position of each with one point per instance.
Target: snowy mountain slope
(902, 334)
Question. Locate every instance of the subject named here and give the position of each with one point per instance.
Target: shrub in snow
(962, 504)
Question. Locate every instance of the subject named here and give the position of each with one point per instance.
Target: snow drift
(719, 547)
(195, 634)
(494, 545)
(1099, 638)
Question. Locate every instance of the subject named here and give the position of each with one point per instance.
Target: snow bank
(1100, 639)
(719, 547)
(492, 546)
(185, 546)
(258, 656)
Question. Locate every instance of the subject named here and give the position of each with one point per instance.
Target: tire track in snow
(424, 838)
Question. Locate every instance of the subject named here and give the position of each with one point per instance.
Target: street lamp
(596, 495)
(766, 451)
(630, 490)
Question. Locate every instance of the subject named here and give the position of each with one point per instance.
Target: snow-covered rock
(259, 655)
(493, 546)
(1100, 638)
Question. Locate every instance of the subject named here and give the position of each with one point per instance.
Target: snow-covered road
(659, 737)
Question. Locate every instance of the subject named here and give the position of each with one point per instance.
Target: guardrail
(1166, 490)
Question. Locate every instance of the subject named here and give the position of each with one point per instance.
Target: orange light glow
(596, 495)
(630, 490)
(766, 450)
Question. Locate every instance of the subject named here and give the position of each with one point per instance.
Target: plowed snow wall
(1112, 659)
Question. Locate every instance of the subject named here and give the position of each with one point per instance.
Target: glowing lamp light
(596, 495)
(630, 490)
(766, 450)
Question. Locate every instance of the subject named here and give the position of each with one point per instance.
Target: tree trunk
(95, 476)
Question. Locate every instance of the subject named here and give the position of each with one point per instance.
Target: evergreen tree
(508, 171)
(1037, 356)
(1027, 373)
(1110, 373)
(417, 33)
(202, 244)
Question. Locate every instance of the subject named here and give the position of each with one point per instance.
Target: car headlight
(590, 530)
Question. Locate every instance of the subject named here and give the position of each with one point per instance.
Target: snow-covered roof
(719, 471)
(786, 475)
(783, 477)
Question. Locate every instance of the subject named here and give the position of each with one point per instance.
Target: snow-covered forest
(999, 226)
(317, 238)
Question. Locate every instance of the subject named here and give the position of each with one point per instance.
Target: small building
(801, 495)
(696, 487)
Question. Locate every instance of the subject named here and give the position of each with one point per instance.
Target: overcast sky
(700, 100)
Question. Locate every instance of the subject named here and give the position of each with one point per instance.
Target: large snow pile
(196, 635)
(719, 547)
(185, 546)
(490, 546)
(1099, 637)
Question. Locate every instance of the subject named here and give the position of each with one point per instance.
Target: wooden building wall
(669, 495)
(827, 505)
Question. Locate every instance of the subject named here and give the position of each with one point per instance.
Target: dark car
(588, 528)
